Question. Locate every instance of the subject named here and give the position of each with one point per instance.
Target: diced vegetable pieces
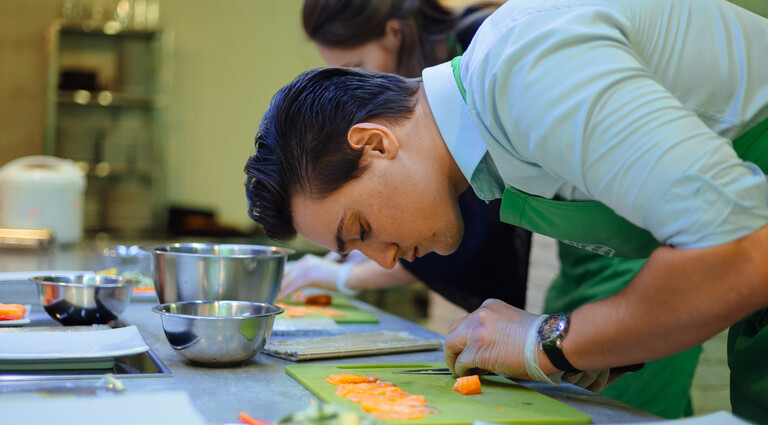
(349, 378)
(250, 420)
(303, 310)
(328, 311)
(311, 299)
(12, 311)
(319, 299)
(383, 400)
(467, 385)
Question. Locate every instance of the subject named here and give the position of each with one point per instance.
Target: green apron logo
(603, 250)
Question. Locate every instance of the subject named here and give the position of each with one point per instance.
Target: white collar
(453, 118)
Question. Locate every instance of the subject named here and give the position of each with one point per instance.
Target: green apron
(603, 232)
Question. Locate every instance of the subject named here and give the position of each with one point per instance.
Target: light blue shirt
(632, 103)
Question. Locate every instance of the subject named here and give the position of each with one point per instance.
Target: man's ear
(393, 33)
(374, 138)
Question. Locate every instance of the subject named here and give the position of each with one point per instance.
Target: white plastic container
(43, 192)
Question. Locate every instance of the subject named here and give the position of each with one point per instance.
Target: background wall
(228, 58)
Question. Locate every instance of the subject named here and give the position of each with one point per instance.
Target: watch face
(552, 327)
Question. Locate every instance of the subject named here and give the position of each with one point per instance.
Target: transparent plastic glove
(593, 380)
(495, 337)
(314, 271)
(354, 257)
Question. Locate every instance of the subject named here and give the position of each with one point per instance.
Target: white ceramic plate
(23, 321)
(58, 345)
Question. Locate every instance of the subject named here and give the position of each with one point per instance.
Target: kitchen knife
(446, 371)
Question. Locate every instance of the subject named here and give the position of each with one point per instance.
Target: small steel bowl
(211, 272)
(84, 299)
(217, 333)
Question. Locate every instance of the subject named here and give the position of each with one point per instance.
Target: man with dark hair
(635, 154)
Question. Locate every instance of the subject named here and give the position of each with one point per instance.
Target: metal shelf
(107, 98)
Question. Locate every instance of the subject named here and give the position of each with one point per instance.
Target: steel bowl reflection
(199, 271)
(84, 299)
(217, 333)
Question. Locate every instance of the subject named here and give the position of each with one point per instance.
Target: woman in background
(403, 37)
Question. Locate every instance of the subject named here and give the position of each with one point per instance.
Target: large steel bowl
(209, 272)
(217, 333)
(84, 299)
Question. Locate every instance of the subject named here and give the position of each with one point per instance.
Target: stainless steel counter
(260, 386)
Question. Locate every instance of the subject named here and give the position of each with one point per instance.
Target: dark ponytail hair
(350, 23)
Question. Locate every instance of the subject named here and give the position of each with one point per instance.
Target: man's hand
(492, 338)
(310, 270)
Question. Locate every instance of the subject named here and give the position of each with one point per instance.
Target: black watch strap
(557, 358)
(551, 334)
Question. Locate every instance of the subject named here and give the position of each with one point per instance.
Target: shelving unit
(105, 109)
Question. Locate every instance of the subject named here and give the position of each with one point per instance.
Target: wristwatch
(551, 333)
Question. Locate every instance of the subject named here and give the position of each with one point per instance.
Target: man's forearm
(679, 299)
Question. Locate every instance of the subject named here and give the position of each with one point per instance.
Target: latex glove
(593, 380)
(495, 338)
(313, 271)
(354, 257)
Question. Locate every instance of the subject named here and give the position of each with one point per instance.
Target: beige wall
(228, 58)
(22, 25)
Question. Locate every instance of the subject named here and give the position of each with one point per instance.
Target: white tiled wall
(710, 384)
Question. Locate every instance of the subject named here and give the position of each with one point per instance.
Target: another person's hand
(314, 271)
(492, 338)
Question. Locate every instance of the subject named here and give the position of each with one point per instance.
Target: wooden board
(502, 400)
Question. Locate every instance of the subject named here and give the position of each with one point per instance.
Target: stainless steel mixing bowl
(84, 299)
(198, 271)
(217, 333)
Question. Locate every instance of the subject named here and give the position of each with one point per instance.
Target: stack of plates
(67, 348)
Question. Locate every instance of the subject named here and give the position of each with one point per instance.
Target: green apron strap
(455, 67)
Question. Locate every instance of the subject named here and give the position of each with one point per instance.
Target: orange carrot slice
(250, 420)
(467, 385)
(383, 400)
(349, 378)
(12, 311)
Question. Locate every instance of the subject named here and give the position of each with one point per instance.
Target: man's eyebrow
(340, 245)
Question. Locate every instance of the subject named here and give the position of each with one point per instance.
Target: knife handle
(627, 369)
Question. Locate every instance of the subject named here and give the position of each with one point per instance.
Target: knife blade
(446, 371)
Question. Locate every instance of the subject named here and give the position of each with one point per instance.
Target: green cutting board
(502, 400)
(352, 314)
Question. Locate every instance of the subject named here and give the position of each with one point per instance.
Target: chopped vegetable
(250, 420)
(348, 378)
(467, 385)
(319, 299)
(12, 311)
(383, 400)
(303, 310)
